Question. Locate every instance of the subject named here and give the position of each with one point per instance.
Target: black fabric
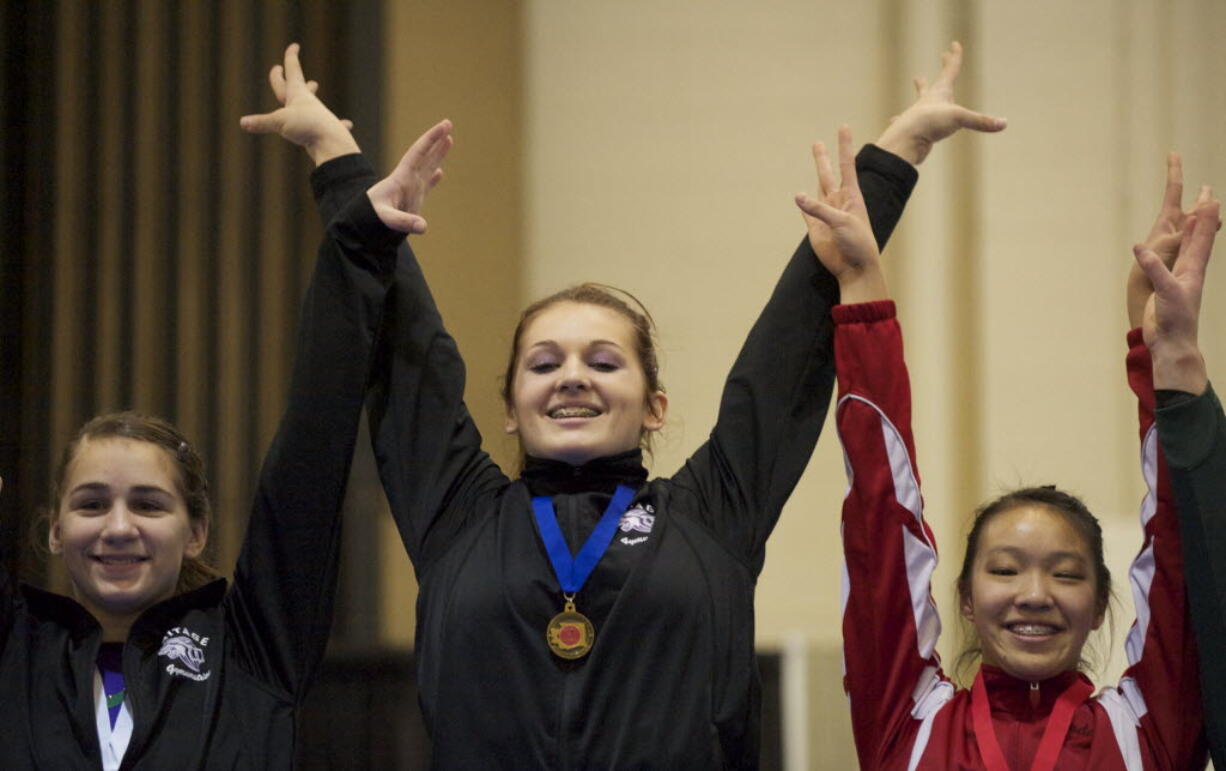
(550, 477)
(214, 677)
(671, 680)
(1192, 431)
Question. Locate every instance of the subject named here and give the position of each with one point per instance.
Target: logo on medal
(183, 646)
(570, 634)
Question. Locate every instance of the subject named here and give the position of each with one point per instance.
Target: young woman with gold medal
(637, 652)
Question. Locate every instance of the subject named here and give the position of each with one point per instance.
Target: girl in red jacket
(1033, 582)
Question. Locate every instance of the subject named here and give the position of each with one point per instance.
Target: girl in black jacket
(580, 616)
(151, 665)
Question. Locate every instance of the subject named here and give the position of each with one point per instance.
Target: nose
(572, 376)
(1033, 591)
(119, 524)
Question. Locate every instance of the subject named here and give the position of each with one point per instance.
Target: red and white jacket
(906, 714)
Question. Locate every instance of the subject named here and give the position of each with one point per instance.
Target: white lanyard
(112, 741)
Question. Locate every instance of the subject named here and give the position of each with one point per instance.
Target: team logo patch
(640, 519)
(184, 647)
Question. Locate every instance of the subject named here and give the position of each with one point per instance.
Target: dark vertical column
(113, 133)
(361, 79)
(27, 65)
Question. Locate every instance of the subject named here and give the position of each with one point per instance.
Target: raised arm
(426, 443)
(280, 608)
(776, 396)
(422, 435)
(1191, 430)
(890, 624)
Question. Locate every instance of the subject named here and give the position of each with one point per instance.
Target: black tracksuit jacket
(671, 682)
(262, 640)
(1192, 430)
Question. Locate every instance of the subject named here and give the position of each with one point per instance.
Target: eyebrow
(1054, 556)
(592, 344)
(104, 487)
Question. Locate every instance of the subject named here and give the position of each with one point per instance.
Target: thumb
(1166, 246)
(266, 123)
(402, 221)
(821, 210)
(1155, 270)
(978, 121)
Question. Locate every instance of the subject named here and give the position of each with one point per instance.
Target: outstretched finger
(429, 149)
(1200, 229)
(921, 85)
(951, 64)
(276, 79)
(438, 141)
(431, 159)
(1205, 195)
(847, 162)
(1172, 197)
(826, 181)
(293, 67)
(432, 136)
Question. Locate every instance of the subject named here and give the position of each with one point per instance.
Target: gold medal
(570, 634)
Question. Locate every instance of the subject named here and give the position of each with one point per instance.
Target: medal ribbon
(572, 572)
(110, 667)
(1058, 723)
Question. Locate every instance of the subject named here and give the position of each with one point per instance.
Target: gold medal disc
(570, 634)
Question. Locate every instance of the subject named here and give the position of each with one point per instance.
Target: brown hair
(604, 296)
(192, 484)
(1066, 505)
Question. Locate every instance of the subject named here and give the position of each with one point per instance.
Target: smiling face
(122, 528)
(1033, 594)
(578, 390)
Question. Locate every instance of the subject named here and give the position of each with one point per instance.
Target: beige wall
(661, 143)
(460, 59)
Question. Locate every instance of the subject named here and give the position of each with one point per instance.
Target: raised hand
(1170, 318)
(934, 115)
(839, 230)
(302, 119)
(1164, 237)
(398, 197)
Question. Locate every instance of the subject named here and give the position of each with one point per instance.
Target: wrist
(863, 287)
(1179, 368)
(904, 144)
(326, 148)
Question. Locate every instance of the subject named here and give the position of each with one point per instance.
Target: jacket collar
(551, 477)
(1013, 695)
(148, 627)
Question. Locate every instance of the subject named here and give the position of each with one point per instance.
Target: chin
(120, 602)
(127, 600)
(1035, 670)
(575, 453)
